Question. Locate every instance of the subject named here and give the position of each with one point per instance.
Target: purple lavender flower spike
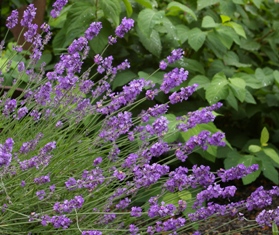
(41, 194)
(173, 79)
(136, 211)
(9, 106)
(42, 179)
(124, 27)
(6, 152)
(91, 232)
(236, 172)
(57, 7)
(133, 229)
(184, 94)
(93, 30)
(12, 20)
(28, 15)
(60, 221)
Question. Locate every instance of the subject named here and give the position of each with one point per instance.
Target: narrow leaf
(128, 7)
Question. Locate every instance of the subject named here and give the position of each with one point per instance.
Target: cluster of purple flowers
(6, 152)
(68, 205)
(90, 180)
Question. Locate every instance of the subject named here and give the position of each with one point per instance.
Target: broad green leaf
(231, 58)
(156, 78)
(171, 198)
(148, 36)
(232, 159)
(112, 9)
(227, 8)
(254, 148)
(249, 160)
(201, 80)
(230, 33)
(145, 3)
(128, 7)
(58, 41)
(225, 18)
(250, 45)
(123, 78)
(241, 2)
(257, 3)
(264, 137)
(270, 172)
(264, 78)
(208, 22)
(238, 88)
(218, 88)
(249, 98)
(182, 32)
(237, 28)
(196, 38)
(174, 5)
(166, 26)
(272, 154)
(225, 36)
(205, 3)
(172, 133)
(215, 44)
(276, 76)
(79, 17)
(232, 100)
(193, 65)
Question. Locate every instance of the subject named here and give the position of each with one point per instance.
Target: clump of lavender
(74, 156)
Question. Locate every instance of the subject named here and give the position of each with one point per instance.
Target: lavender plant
(75, 159)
